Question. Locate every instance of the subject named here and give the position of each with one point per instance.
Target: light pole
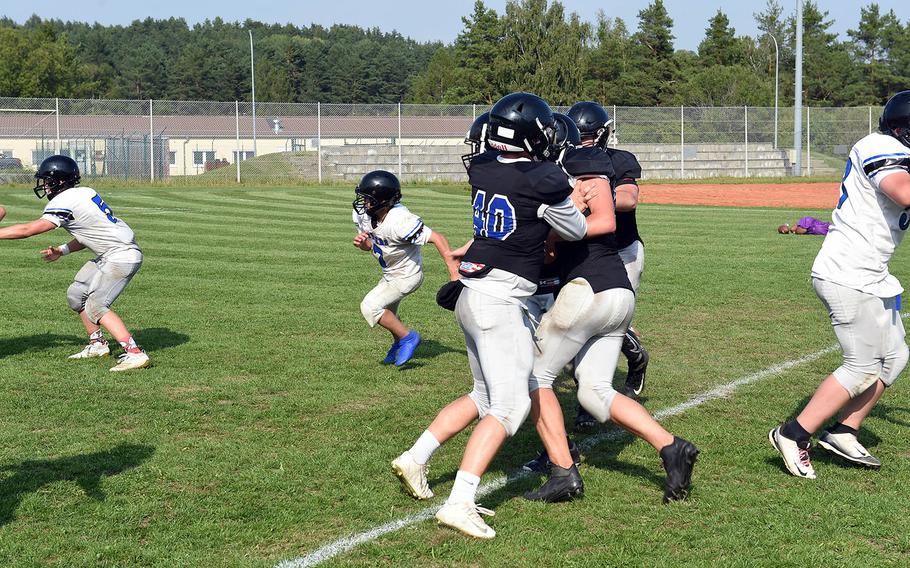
(253, 83)
(798, 93)
(776, 69)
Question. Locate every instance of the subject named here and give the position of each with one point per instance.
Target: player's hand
(2, 212)
(362, 241)
(50, 254)
(453, 265)
(587, 189)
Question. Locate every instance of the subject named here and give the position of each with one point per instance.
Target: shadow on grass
(429, 349)
(84, 469)
(38, 342)
(891, 413)
(157, 338)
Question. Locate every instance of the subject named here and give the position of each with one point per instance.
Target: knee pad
(895, 365)
(513, 416)
(95, 310)
(857, 378)
(371, 312)
(596, 398)
(76, 295)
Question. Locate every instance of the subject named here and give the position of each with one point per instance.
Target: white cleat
(412, 475)
(796, 459)
(848, 447)
(129, 361)
(93, 349)
(465, 518)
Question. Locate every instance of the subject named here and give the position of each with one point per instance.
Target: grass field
(265, 429)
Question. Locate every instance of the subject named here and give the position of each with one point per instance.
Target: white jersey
(866, 224)
(396, 240)
(82, 212)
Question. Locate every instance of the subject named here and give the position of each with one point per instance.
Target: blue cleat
(406, 347)
(393, 350)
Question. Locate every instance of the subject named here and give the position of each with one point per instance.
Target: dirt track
(795, 195)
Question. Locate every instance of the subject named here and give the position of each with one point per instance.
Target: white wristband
(63, 249)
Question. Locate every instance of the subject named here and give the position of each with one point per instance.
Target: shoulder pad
(588, 161)
(625, 164)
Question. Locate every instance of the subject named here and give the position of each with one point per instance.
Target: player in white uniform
(394, 235)
(82, 212)
(850, 276)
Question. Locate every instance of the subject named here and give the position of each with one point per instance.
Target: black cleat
(562, 485)
(583, 420)
(638, 365)
(542, 463)
(678, 460)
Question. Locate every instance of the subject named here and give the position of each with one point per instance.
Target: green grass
(266, 426)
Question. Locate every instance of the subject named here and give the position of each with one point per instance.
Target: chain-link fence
(218, 142)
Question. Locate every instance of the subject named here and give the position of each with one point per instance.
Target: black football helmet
(476, 138)
(522, 122)
(592, 120)
(567, 133)
(55, 174)
(895, 119)
(376, 190)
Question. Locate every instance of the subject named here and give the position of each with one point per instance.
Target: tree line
(533, 45)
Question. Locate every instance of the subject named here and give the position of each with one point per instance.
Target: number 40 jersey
(82, 212)
(866, 224)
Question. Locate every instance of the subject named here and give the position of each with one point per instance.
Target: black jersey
(626, 170)
(506, 197)
(595, 259)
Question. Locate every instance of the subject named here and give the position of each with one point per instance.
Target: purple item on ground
(814, 226)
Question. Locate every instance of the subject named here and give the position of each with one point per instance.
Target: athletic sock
(130, 345)
(96, 337)
(840, 428)
(423, 448)
(795, 431)
(464, 489)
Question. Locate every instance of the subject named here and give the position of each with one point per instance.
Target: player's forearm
(565, 219)
(75, 245)
(626, 197)
(20, 231)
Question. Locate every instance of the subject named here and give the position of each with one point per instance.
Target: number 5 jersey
(396, 240)
(82, 212)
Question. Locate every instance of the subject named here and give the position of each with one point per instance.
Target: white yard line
(345, 544)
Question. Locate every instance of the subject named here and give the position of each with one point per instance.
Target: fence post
(399, 141)
(237, 131)
(151, 142)
(58, 149)
(808, 142)
(870, 119)
(746, 122)
(682, 142)
(319, 141)
(473, 112)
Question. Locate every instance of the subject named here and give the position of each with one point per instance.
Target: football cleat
(678, 460)
(796, 458)
(93, 349)
(413, 476)
(406, 347)
(635, 378)
(542, 463)
(129, 361)
(562, 485)
(393, 350)
(848, 447)
(584, 421)
(465, 518)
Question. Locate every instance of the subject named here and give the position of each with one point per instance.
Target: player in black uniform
(587, 323)
(517, 197)
(596, 128)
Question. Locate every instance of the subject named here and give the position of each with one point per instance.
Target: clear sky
(423, 20)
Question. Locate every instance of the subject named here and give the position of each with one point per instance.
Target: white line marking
(343, 545)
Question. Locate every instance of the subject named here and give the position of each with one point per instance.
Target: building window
(172, 158)
(200, 158)
(244, 155)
